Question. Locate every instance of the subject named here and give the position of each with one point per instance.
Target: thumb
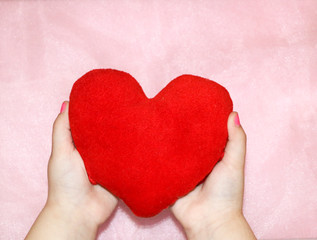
(235, 150)
(62, 139)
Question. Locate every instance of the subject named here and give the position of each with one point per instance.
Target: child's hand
(213, 210)
(74, 208)
(67, 178)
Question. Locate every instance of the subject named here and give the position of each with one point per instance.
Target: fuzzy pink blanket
(263, 52)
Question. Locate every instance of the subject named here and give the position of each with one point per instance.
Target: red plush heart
(148, 152)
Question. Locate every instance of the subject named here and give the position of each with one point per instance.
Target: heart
(148, 151)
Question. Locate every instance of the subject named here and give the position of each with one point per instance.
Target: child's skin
(75, 208)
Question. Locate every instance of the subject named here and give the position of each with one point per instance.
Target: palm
(69, 181)
(222, 191)
(215, 196)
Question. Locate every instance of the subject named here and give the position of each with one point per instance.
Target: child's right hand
(213, 210)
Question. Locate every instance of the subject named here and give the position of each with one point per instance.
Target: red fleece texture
(148, 152)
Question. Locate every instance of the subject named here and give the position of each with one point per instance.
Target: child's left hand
(72, 199)
(68, 182)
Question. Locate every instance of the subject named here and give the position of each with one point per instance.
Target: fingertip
(61, 119)
(231, 122)
(61, 129)
(64, 107)
(236, 146)
(234, 125)
(237, 120)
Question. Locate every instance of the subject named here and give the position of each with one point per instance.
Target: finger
(62, 139)
(236, 146)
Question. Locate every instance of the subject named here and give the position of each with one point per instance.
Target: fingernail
(63, 107)
(237, 120)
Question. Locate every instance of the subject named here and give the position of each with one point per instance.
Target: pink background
(263, 52)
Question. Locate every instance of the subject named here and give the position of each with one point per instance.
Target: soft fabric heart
(148, 152)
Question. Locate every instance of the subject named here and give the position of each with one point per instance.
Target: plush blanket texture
(263, 52)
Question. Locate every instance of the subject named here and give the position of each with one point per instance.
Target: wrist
(78, 225)
(221, 228)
